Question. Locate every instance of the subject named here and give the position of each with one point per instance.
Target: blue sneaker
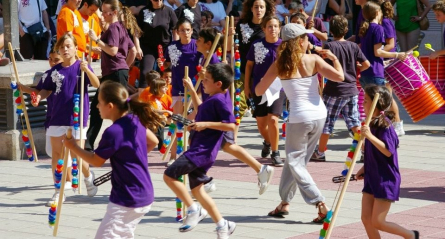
(192, 219)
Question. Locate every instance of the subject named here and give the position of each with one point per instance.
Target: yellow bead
(348, 164)
(25, 132)
(238, 64)
(357, 136)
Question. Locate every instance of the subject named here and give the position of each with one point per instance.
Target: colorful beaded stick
(237, 69)
(58, 172)
(161, 56)
(75, 173)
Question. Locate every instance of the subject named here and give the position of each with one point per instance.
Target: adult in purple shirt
(126, 143)
(118, 52)
(63, 81)
(158, 22)
(261, 56)
(381, 169)
(371, 39)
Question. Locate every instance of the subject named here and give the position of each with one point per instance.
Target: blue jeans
(367, 80)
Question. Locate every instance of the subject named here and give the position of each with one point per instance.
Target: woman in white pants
(298, 73)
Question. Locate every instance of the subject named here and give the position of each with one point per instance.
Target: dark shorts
(182, 166)
(263, 110)
(377, 193)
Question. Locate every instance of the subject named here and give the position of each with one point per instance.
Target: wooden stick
(82, 142)
(348, 176)
(315, 10)
(209, 56)
(185, 138)
(286, 20)
(62, 186)
(25, 111)
(232, 61)
(226, 38)
(90, 56)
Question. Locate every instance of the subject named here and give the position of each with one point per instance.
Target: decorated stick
(209, 56)
(348, 176)
(82, 93)
(90, 51)
(168, 142)
(226, 38)
(23, 105)
(161, 56)
(184, 114)
(62, 186)
(232, 58)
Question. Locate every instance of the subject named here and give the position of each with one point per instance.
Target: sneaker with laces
(398, 127)
(225, 231)
(91, 188)
(55, 199)
(247, 113)
(170, 162)
(210, 187)
(192, 219)
(276, 159)
(264, 177)
(266, 150)
(316, 157)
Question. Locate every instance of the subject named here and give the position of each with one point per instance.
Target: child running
(126, 143)
(381, 169)
(63, 81)
(341, 97)
(213, 117)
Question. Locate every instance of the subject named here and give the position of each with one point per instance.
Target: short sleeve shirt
(49, 99)
(125, 144)
(318, 24)
(374, 35)
(389, 31)
(205, 144)
(247, 34)
(71, 21)
(348, 54)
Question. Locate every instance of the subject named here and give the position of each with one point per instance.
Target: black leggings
(120, 76)
(146, 65)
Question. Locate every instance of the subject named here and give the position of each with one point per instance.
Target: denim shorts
(368, 80)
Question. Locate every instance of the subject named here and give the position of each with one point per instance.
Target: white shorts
(120, 222)
(57, 131)
(48, 148)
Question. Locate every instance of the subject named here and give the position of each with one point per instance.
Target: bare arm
(88, 156)
(320, 35)
(45, 19)
(198, 126)
(229, 7)
(131, 56)
(332, 73)
(152, 141)
(339, 9)
(379, 52)
(247, 77)
(135, 10)
(191, 89)
(390, 44)
(93, 78)
(364, 66)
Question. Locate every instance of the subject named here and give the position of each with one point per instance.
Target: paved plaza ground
(25, 187)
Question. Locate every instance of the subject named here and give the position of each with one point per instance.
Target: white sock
(221, 223)
(193, 208)
(89, 178)
(320, 153)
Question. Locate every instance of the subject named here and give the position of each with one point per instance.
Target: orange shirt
(169, 91)
(160, 103)
(133, 74)
(71, 21)
(96, 29)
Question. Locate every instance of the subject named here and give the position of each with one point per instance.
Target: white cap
(293, 30)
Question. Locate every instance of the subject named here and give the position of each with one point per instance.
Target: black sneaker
(266, 150)
(317, 157)
(276, 159)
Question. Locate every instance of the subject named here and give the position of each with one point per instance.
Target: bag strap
(40, 13)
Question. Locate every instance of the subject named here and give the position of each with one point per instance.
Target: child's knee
(168, 179)
(377, 223)
(273, 120)
(366, 220)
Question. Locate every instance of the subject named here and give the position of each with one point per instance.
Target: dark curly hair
(247, 15)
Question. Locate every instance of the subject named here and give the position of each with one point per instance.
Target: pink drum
(361, 99)
(406, 76)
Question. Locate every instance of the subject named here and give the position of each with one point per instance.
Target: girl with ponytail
(126, 143)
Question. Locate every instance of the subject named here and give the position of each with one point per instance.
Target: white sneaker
(68, 185)
(247, 113)
(170, 162)
(210, 187)
(91, 188)
(192, 219)
(264, 177)
(225, 231)
(55, 199)
(398, 127)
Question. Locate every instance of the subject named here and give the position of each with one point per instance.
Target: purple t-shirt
(115, 36)
(179, 56)
(49, 99)
(205, 144)
(348, 53)
(382, 174)
(374, 35)
(64, 82)
(213, 60)
(125, 144)
(313, 39)
(318, 24)
(359, 22)
(389, 31)
(263, 54)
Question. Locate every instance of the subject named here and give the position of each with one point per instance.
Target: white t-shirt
(29, 14)
(218, 11)
(280, 9)
(305, 103)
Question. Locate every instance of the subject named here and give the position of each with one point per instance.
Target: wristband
(97, 41)
(397, 55)
(313, 47)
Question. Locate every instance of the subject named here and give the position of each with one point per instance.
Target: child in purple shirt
(371, 39)
(300, 18)
(214, 116)
(381, 169)
(126, 143)
(63, 81)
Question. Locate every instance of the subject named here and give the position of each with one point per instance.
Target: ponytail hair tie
(128, 99)
(382, 112)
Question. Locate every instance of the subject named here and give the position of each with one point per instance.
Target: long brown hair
(129, 21)
(383, 104)
(156, 85)
(288, 56)
(370, 11)
(387, 9)
(113, 92)
(247, 15)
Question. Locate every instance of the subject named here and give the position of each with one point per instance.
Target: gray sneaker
(192, 219)
(264, 177)
(276, 159)
(225, 231)
(91, 188)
